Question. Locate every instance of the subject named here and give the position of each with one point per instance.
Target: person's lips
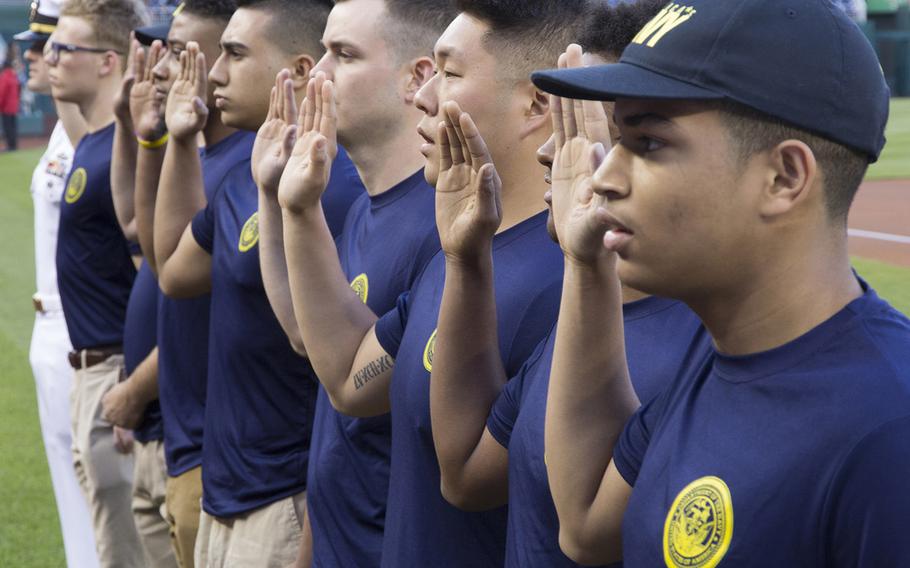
(618, 234)
(430, 144)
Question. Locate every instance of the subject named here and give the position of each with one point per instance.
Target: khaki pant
(184, 496)
(268, 537)
(105, 475)
(149, 512)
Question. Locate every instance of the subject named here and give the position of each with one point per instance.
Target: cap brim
(29, 35)
(617, 80)
(146, 35)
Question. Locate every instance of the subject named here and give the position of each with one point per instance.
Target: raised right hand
(122, 97)
(145, 105)
(307, 172)
(276, 137)
(582, 140)
(186, 112)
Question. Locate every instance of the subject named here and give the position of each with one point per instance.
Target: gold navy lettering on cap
(672, 16)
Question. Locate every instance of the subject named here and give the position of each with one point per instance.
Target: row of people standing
(316, 346)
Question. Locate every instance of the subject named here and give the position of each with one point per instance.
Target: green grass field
(29, 530)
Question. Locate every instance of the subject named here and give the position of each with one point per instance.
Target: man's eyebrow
(232, 46)
(445, 52)
(337, 44)
(634, 120)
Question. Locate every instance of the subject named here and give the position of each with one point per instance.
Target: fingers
(201, 73)
(317, 101)
(573, 60)
(559, 133)
(183, 75)
(329, 122)
(476, 147)
(569, 124)
(139, 62)
(273, 105)
(288, 101)
(154, 56)
(289, 140)
(489, 190)
(455, 144)
(443, 147)
(308, 109)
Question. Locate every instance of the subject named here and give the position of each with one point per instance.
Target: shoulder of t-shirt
(539, 316)
(506, 407)
(888, 331)
(865, 516)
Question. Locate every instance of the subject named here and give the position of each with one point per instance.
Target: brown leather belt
(92, 356)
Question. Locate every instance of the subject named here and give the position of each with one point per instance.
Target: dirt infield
(880, 222)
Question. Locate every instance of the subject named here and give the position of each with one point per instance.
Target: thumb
(489, 190)
(289, 140)
(200, 108)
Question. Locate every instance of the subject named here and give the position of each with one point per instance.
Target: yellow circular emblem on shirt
(699, 525)
(361, 287)
(428, 352)
(76, 186)
(249, 235)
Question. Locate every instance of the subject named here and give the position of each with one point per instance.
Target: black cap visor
(146, 35)
(615, 81)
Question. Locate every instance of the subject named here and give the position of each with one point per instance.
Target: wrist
(472, 261)
(151, 141)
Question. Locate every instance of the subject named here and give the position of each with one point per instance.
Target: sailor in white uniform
(50, 340)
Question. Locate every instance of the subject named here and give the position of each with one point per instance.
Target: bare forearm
(180, 196)
(275, 269)
(468, 373)
(123, 170)
(148, 172)
(144, 380)
(589, 401)
(333, 321)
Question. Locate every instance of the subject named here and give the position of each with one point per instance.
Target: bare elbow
(171, 285)
(587, 550)
(297, 345)
(467, 497)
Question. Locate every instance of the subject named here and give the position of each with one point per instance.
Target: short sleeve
(203, 227)
(135, 249)
(869, 512)
(343, 189)
(390, 327)
(507, 405)
(629, 453)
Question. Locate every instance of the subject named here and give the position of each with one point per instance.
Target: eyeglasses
(57, 47)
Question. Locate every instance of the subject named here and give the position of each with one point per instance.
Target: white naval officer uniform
(48, 355)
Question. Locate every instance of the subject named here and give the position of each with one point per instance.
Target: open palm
(306, 175)
(275, 138)
(145, 109)
(468, 208)
(186, 111)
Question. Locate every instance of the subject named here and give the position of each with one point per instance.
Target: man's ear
(537, 110)
(419, 71)
(300, 71)
(111, 63)
(793, 177)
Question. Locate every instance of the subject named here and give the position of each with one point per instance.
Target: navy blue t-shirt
(183, 334)
(797, 456)
(422, 528)
(94, 270)
(660, 334)
(260, 395)
(387, 241)
(139, 340)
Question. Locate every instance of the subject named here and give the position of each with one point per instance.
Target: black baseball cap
(147, 34)
(801, 61)
(42, 21)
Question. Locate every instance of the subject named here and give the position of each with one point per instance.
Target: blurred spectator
(9, 100)
(856, 9)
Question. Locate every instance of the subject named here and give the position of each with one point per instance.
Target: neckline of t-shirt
(646, 307)
(518, 230)
(101, 131)
(399, 190)
(226, 142)
(745, 368)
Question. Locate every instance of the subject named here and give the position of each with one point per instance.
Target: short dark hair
(221, 9)
(296, 25)
(611, 27)
(530, 34)
(111, 21)
(842, 167)
(413, 26)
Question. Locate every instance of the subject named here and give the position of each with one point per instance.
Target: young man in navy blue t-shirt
(489, 432)
(369, 364)
(260, 393)
(175, 374)
(786, 445)
(94, 268)
(388, 238)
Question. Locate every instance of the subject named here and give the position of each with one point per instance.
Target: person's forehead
(72, 29)
(462, 39)
(672, 110)
(247, 26)
(350, 19)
